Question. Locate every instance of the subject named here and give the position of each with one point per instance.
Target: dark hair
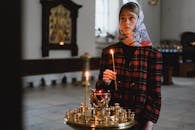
(131, 6)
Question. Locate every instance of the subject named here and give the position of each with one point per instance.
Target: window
(106, 18)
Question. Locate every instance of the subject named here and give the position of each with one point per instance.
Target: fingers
(109, 75)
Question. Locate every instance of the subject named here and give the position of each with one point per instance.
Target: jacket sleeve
(153, 102)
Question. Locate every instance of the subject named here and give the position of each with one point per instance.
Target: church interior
(62, 39)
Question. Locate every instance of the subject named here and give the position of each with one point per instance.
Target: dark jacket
(138, 79)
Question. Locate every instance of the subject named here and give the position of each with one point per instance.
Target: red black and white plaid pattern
(138, 82)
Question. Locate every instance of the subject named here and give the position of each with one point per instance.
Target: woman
(135, 78)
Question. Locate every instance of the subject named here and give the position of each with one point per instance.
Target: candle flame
(111, 51)
(61, 43)
(87, 75)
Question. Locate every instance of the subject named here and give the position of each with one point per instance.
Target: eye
(132, 19)
(122, 18)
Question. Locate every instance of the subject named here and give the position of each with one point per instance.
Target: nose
(127, 21)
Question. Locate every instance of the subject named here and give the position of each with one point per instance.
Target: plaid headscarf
(140, 33)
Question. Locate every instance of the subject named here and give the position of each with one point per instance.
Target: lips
(126, 27)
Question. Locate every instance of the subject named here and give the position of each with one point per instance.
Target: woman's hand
(109, 75)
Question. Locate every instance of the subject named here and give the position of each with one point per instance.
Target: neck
(128, 43)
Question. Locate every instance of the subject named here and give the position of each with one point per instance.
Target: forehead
(127, 12)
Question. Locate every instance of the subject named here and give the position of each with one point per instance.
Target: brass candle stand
(99, 116)
(86, 67)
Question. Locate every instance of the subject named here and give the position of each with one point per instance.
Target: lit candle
(61, 43)
(86, 86)
(113, 66)
(87, 76)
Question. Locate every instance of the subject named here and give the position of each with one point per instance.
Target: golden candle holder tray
(99, 116)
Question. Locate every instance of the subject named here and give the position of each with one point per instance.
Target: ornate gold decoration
(59, 25)
(100, 115)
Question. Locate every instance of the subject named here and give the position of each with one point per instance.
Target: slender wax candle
(113, 66)
(86, 85)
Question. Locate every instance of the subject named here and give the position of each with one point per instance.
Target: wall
(177, 17)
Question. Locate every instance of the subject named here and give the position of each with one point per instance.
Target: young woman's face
(127, 21)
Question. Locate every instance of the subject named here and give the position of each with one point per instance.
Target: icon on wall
(59, 19)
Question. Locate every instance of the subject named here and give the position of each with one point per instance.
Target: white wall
(31, 29)
(86, 27)
(177, 16)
